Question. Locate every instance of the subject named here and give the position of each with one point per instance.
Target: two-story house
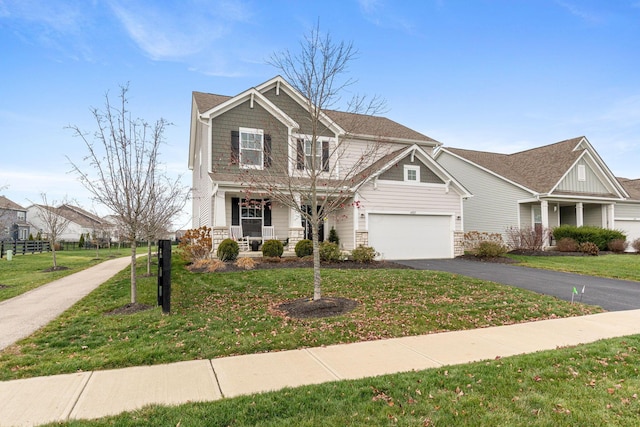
(78, 221)
(402, 202)
(13, 220)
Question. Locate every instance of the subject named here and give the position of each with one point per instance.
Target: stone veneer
(458, 243)
(218, 234)
(362, 238)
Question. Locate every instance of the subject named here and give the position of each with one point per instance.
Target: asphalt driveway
(610, 294)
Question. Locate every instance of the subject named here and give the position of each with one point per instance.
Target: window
(305, 157)
(411, 173)
(251, 148)
(582, 173)
(21, 215)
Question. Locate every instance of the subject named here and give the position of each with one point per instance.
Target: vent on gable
(582, 173)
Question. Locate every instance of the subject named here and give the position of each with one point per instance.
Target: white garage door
(398, 236)
(630, 228)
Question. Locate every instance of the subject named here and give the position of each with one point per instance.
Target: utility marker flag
(575, 291)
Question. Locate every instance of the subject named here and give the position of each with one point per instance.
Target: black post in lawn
(164, 275)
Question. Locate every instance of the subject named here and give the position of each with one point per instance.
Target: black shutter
(266, 212)
(300, 154)
(325, 156)
(235, 211)
(235, 148)
(267, 151)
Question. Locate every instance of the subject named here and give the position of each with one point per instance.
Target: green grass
(625, 266)
(222, 314)
(26, 272)
(588, 385)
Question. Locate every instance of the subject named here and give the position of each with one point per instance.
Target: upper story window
(251, 148)
(307, 159)
(22, 215)
(411, 173)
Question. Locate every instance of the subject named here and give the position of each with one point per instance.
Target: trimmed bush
(364, 254)
(597, 235)
(618, 245)
(228, 250)
(272, 248)
(490, 250)
(567, 244)
(636, 245)
(304, 248)
(330, 252)
(333, 236)
(589, 248)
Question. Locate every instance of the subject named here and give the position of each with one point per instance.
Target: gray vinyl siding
(592, 184)
(244, 116)
(627, 210)
(494, 205)
(554, 216)
(296, 112)
(525, 215)
(592, 215)
(396, 172)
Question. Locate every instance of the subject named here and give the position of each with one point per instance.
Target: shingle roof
(632, 186)
(79, 216)
(8, 204)
(538, 169)
(358, 124)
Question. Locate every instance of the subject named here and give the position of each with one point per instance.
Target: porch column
(608, 217)
(219, 230)
(296, 232)
(544, 213)
(579, 214)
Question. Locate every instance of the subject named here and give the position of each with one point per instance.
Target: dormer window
(251, 148)
(411, 173)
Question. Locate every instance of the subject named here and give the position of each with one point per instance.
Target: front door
(308, 232)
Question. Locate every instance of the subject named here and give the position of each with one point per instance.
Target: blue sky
(493, 75)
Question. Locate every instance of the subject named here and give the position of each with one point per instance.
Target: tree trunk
(317, 279)
(53, 252)
(134, 288)
(149, 257)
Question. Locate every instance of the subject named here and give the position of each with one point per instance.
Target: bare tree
(53, 223)
(122, 170)
(326, 176)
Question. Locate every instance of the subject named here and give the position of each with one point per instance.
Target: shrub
(589, 248)
(567, 244)
(472, 240)
(333, 236)
(364, 254)
(304, 248)
(330, 252)
(636, 245)
(207, 265)
(596, 235)
(246, 263)
(526, 238)
(618, 245)
(228, 250)
(196, 244)
(272, 248)
(272, 259)
(490, 250)
(81, 241)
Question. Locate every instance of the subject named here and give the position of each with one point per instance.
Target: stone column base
(458, 243)
(362, 238)
(218, 234)
(295, 235)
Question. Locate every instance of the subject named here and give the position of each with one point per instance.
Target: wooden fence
(22, 247)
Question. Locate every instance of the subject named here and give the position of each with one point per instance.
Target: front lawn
(26, 272)
(588, 385)
(222, 314)
(620, 266)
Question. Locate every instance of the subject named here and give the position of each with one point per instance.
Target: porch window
(251, 148)
(411, 173)
(251, 214)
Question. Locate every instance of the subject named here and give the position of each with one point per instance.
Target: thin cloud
(378, 13)
(588, 16)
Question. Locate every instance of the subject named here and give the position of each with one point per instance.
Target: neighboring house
(13, 221)
(562, 183)
(80, 222)
(405, 206)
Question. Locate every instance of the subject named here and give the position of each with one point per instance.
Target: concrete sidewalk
(96, 394)
(23, 315)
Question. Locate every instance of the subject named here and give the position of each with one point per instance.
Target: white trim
(412, 183)
(410, 168)
(251, 131)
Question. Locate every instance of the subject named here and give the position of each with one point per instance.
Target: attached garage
(629, 227)
(411, 236)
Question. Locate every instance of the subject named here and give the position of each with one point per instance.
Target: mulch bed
(58, 268)
(130, 308)
(305, 308)
(297, 263)
(3, 286)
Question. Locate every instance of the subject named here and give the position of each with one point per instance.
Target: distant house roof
(80, 216)
(8, 204)
(357, 124)
(538, 169)
(632, 186)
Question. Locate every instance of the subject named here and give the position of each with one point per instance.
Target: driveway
(610, 294)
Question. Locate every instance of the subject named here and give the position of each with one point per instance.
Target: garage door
(398, 236)
(630, 228)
